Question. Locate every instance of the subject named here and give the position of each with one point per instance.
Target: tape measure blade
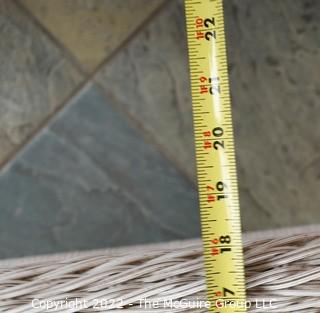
(215, 155)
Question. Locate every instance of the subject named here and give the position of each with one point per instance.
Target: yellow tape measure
(216, 166)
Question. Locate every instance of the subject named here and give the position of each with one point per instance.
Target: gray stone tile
(35, 77)
(273, 50)
(274, 57)
(89, 181)
(149, 78)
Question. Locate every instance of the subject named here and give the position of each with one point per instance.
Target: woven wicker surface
(282, 267)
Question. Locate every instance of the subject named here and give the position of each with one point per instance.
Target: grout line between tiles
(70, 56)
(132, 120)
(131, 36)
(86, 76)
(89, 77)
(145, 134)
(42, 125)
(65, 51)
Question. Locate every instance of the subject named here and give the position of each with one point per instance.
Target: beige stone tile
(35, 77)
(91, 29)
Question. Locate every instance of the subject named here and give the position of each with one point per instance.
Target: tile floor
(96, 144)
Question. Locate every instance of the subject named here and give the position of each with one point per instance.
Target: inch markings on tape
(215, 156)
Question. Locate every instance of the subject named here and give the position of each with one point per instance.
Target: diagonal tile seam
(131, 36)
(41, 126)
(90, 77)
(145, 134)
(74, 61)
(87, 77)
(69, 53)
(49, 117)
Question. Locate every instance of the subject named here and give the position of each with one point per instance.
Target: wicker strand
(285, 270)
